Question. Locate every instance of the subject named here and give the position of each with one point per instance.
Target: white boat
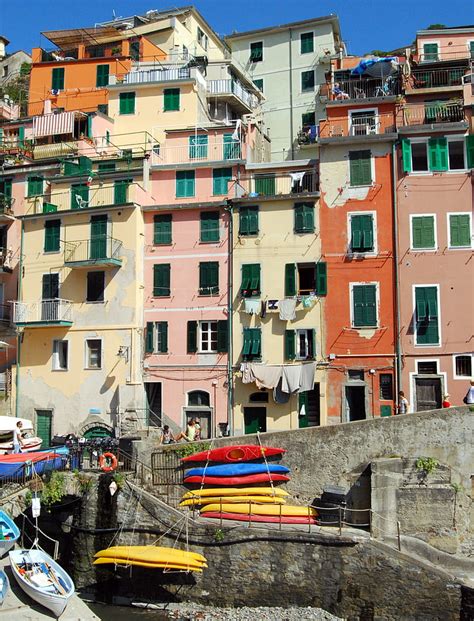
(4, 586)
(8, 424)
(42, 579)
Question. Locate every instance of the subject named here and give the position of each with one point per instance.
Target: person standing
(403, 404)
(17, 438)
(446, 401)
(469, 398)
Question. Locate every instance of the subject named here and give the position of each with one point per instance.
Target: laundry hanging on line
(287, 309)
(252, 306)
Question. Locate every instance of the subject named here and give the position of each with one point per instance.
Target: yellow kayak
(247, 508)
(127, 562)
(153, 554)
(235, 491)
(204, 500)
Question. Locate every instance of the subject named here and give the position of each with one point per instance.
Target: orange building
(75, 75)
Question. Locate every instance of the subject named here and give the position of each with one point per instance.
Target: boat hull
(42, 462)
(236, 491)
(151, 553)
(264, 477)
(235, 454)
(4, 586)
(237, 470)
(135, 563)
(257, 509)
(9, 533)
(269, 519)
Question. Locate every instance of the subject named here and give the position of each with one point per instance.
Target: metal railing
(154, 75)
(364, 125)
(227, 87)
(428, 113)
(436, 78)
(43, 311)
(98, 249)
(363, 88)
(193, 153)
(296, 182)
(60, 149)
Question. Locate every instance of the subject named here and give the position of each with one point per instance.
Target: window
(456, 155)
(106, 166)
(471, 49)
(95, 286)
(93, 354)
(209, 278)
(250, 280)
(156, 337)
(171, 99)
(198, 147)
(423, 233)
(426, 315)
(60, 355)
(386, 386)
(252, 348)
(135, 50)
(79, 196)
(265, 185)
(57, 80)
(304, 218)
(5, 71)
(102, 76)
(430, 52)
(305, 278)
(52, 230)
(127, 103)
(419, 156)
(248, 221)
(162, 225)
(427, 367)
(35, 186)
(362, 233)
(209, 226)
(308, 118)
(231, 148)
(256, 52)
(364, 306)
(258, 83)
(259, 397)
(360, 168)
(220, 181)
(307, 81)
(202, 38)
(121, 191)
(208, 336)
(185, 183)
(307, 42)
(103, 108)
(364, 123)
(459, 230)
(355, 375)
(161, 280)
(300, 344)
(463, 365)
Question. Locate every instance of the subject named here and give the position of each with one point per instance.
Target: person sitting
(338, 92)
(167, 436)
(190, 434)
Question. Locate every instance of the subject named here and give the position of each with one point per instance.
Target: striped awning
(52, 124)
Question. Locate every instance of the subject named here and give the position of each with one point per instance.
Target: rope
(266, 462)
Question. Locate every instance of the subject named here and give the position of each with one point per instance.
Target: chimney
(3, 43)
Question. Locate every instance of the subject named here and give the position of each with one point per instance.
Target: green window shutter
(265, 185)
(121, 191)
(423, 232)
(81, 192)
(406, 155)
(365, 309)
(290, 345)
(255, 279)
(362, 233)
(222, 336)
(360, 168)
(106, 166)
(161, 280)
(460, 230)
(221, 178)
(321, 278)
(430, 51)
(304, 218)
(198, 147)
(209, 278)
(127, 103)
(307, 80)
(303, 401)
(35, 186)
(171, 99)
(246, 278)
(248, 220)
(185, 183)
(6, 188)
(470, 150)
(162, 224)
(438, 154)
(102, 77)
(259, 84)
(307, 42)
(52, 229)
(21, 136)
(192, 337)
(290, 279)
(57, 81)
(256, 342)
(149, 338)
(427, 329)
(162, 329)
(256, 52)
(209, 226)
(312, 340)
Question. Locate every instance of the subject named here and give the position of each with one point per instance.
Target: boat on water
(42, 579)
(22, 464)
(236, 491)
(263, 477)
(237, 470)
(159, 557)
(8, 424)
(9, 533)
(268, 519)
(4, 586)
(258, 509)
(235, 454)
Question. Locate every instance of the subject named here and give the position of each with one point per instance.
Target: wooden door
(44, 419)
(255, 419)
(427, 393)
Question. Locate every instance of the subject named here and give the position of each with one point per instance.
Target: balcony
(155, 75)
(6, 207)
(232, 92)
(276, 184)
(364, 88)
(43, 313)
(59, 149)
(422, 80)
(195, 153)
(6, 256)
(432, 113)
(358, 126)
(98, 252)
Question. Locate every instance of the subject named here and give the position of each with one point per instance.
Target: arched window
(259, 397)
(198, 398)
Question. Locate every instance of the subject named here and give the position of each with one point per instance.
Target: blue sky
(365, 24)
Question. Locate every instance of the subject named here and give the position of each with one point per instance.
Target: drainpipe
(398, 349)
(18, 335)
(230, 294)
(291, 94)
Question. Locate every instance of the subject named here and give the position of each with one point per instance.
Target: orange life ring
(112, 462)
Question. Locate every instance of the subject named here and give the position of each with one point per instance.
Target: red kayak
(22, 457)
(242, 517)
(263, 477)
(234, 454)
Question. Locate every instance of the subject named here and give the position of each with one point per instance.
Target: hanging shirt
(287, 309)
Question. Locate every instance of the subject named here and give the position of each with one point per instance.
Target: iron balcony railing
(100, 249)
(227, 87)
(275, 184)
(60, 149)
(43, 311)
(193, 153)
(353, 126)
(362, 88)
(436, 78)
(431, 113)
(157, 75)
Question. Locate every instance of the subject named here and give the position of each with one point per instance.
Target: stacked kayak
(18, 465)
(237, 474)
(157, 557)
(233, 495)
(234, 454)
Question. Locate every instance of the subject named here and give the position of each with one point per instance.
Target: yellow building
(279, 286)
(80, 308)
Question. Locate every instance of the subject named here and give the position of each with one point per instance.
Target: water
(126, 613)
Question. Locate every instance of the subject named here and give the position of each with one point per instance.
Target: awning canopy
(52, 124)
(65, 39)
(376, 67)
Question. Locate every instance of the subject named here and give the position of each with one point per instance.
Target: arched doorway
(199, 407)
(97, 431)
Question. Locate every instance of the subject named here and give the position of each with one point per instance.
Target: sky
(365, 24)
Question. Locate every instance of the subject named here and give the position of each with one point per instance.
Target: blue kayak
(235, 470)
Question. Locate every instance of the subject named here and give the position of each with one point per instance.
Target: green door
(98, 242)
(98, 432)
(44, 420)
(255, 419)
